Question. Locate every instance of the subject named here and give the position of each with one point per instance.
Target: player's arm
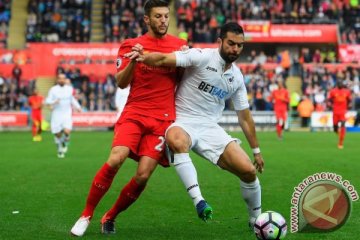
(247, 124)
(51, 100)
(75, 103)
(330, 100)
(153, 59)
(124, 77)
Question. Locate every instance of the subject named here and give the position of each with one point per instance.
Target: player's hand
(184, 48)
(138, 48)
(259, 162)
(135, 56)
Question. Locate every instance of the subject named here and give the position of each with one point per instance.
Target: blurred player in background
(36, 104)
(60, 99)
(280, 99)
(339, 99)
(139, 132)
(121, 97)
(210, 78)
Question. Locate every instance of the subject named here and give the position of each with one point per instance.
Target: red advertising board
(94, 119)
(263, 31)
(46, 57)
(13, 119)
(349, 53)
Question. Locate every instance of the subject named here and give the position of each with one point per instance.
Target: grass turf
(49, 193)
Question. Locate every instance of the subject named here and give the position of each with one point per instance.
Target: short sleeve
(239, 98)
(191, 57)
(122, 62)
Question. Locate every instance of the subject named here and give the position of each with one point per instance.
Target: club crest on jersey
(118, 62)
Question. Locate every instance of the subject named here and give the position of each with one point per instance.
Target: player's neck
(157, 36)
(227, 66)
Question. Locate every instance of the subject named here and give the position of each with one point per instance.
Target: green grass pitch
(50, 193)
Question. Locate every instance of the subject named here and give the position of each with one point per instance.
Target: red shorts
(338, 118)
(281, 115)
(145, 136)
(36, 117)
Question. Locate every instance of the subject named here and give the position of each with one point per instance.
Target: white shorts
(59, 123)
(208, 140)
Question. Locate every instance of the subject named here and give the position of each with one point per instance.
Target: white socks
(251, 193)
(188, 175)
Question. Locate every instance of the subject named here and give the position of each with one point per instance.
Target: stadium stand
(5, 15)
(309, 68)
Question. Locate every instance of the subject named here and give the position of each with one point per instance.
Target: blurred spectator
(16, 73)
(5, 15)
(305, 108)
(58, 21)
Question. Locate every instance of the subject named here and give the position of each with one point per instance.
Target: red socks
(342, 135)
(279, 130)
(99, 187)
(128, 196)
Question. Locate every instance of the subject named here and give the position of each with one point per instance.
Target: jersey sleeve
(75, 103)
(239, 98)
(121, 61)
(51, 98)
(191, 57)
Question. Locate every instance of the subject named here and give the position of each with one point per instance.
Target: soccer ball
(270, 225)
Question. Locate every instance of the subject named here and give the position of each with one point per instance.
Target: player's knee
(177, 142)
(142, 177)
(248, 174)
(117, 157)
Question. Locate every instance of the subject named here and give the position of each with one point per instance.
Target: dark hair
(230, 27)
(149, 4)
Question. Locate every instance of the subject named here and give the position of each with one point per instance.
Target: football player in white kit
(60, 99)
(121, 97)
(210, 78)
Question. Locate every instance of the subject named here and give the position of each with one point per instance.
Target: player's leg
(179, 142)
(66, 139)
(279, 124)
(34, 130)
(235, 160)
(56, 130)
(66, 133)
(130, 193)
(58, 142)
(342, 133)
(336, 121)
(100, 185)
(127, 135)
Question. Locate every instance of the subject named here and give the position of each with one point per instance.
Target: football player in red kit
(339, 98)
(280, 98)
(36, 104)
(139, 132)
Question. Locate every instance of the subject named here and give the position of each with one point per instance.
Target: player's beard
(156, 30)
(228, 58)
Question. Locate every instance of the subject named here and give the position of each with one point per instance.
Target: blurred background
(308, 44)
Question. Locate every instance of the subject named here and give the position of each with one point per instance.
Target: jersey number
(159, 147)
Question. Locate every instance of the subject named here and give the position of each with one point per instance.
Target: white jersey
(121, 96)
(63, 95)
(205, 86)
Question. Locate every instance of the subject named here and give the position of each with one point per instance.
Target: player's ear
(219, 40)
(146, 19)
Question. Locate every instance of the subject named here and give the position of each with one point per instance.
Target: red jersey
(35, 102)
(340, 98)
(280, 98)
(152, 89)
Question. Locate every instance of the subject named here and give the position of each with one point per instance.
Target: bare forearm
(160, 59)
(247, 124)
(124, 77)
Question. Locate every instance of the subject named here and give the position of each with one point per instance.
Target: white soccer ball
(270, 226)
